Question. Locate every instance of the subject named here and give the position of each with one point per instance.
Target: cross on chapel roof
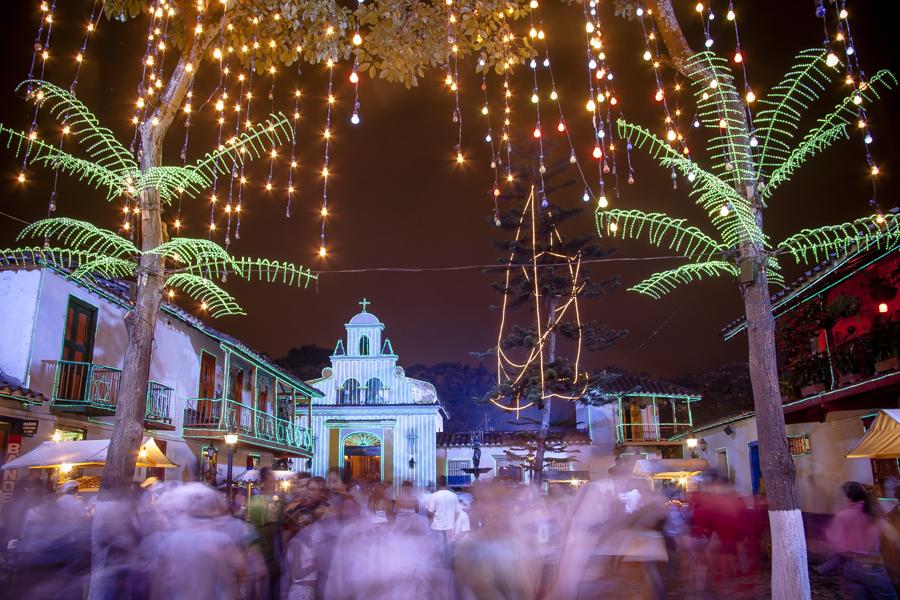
(364, 303)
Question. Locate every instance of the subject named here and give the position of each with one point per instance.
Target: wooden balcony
(212, 418)
(93, 390)
(649, 433)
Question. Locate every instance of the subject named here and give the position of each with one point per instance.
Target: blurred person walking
(854, 534)
(443, 508)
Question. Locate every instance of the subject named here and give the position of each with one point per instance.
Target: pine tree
(547, 278)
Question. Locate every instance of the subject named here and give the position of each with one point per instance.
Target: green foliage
(99, 143)
(661, 230)
(82, 236)
(47, 155)
(659, 284)
(815, 245)
(718, 104)
(255, 142)
(401, 38)
(782, 108)
(830, 129)
(709, 191)
(109, 165)
(218, 301)
(734, 191)
(89, 252)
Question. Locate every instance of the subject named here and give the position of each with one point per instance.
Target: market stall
(882, 440)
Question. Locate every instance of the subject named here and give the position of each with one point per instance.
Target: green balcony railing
(256, 426)
(82, 386)
(159, 403)
(85, 384)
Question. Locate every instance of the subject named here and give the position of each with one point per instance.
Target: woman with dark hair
(854, 535)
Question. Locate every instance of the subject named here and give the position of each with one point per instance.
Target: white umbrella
(85, 453)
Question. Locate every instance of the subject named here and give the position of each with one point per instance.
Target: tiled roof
(510, 438)
(8, 388)
(631, 383)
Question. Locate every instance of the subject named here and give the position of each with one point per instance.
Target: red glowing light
(883, 307)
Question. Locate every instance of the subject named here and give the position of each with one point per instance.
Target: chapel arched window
(364, 345)
(375, 392)
(349, 392)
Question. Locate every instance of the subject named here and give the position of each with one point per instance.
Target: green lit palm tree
(748, 167)
(767, 159)
(87, 251)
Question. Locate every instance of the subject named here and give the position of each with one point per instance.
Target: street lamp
(231, 439)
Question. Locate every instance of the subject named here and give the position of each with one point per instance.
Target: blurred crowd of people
(334, 538)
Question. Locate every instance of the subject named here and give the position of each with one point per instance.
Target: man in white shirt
(443, 508)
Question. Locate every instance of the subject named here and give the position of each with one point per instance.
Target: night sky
(397, 198)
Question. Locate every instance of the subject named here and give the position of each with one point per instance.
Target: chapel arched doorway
(362, 456)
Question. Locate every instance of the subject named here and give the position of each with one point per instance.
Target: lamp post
(692, 446)
(231, 439)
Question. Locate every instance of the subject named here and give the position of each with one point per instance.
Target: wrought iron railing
(159, 402)
(649, 432)
(228, 415)
(81, 383)
(86, 385)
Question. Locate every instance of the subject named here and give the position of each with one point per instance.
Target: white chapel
(373, 420)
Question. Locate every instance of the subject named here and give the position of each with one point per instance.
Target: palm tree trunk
(790, 572)
(110, 529)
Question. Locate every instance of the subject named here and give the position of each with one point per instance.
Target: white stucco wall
(820, 473)
(19, 292)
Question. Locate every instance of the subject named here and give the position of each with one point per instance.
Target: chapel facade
(373, 420)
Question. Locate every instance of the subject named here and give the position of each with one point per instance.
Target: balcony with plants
(820, 352)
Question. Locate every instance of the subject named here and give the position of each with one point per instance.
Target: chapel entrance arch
(363, 456)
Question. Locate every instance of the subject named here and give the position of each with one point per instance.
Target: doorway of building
(362, 456)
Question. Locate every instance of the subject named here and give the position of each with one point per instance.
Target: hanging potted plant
(885, 345)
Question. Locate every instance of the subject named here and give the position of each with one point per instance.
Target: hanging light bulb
(730, 15)
(738, 57)
(751, 97)
(561, 127)
(754, 142)
(613, 227)
(602, 202)
(671, 135)
(598, 152)
(322, 251)
(21, 177)
(868, 139)
(354, 118)
(572, 158)
(534, 98)
(586, 197)
(831, 60)
(590, 106)
(659, 96)
(357, 39)
(724, 211)
(537, 132)
(354, 78)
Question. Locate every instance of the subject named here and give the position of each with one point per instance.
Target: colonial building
(838, 332)
(62, 346)
(372, 419)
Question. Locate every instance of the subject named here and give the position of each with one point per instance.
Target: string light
(325, 172)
